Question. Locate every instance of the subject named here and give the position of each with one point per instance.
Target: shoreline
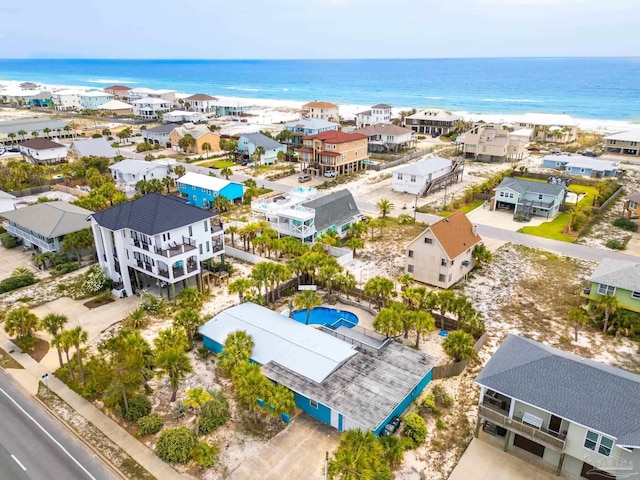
(348, 111)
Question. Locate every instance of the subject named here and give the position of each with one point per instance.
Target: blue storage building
(201, 190)
(582, 165)
(334, 381)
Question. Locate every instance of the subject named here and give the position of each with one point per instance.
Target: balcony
(32, 239)
(177, 272)
(501, 418)
(217, 246)
(535, 203)
(173, 249)
(163, 273)
(144, 265)
(142, 245)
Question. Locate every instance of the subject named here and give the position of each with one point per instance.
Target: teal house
(42, 100)
(201, 190)
(527, 198)
(341, 377)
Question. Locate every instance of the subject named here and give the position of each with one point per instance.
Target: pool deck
(365, 319)
(360, 337)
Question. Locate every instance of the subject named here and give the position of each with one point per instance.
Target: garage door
(592, 473)
(528, 445)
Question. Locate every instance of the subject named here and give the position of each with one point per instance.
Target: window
(195, 198)
(413, 178)
(428, 240)
(539, 197)
(606, 444)
(635, 295)
(612, 142)
(634, 144)
(399, 176)
(410, 268)
(443, 262)
(207, 244)
(190, 231)
(591, 440)
(582, 170)
(606, 289)
(511, 195)
(208, 192)
(313, 403)
(598, 443)
(441, 278)
(502, 194)
(200, 248)
(206, 225)
(410, 253)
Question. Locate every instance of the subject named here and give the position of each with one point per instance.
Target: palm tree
(196, 397)
(179, 170)
(52, 323)
(458, 345)
(393, 447)
(35, 134)
(186, 142)
(206, 147)
(256, 156)
(167, 182)
(445, 301)
(281, 399)
(66, 342)
(249, 384)
(359, 456)
(78, 336)
(22, 133)
(384, 207)
(379, 288)
(77, 242)
(607, 304)
(307, 300)
(226, 172)
(173, 362)
(423, 323)
(11, 137)
(405, 280)
(190, 297)
(577, 316)
(23, 324)
(481, 254)
(238, 347)
(388, 322)
(221, 204)
(190, 320)
(47, 131)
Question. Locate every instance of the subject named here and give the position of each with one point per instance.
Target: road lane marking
(47, 434)
(18, 462)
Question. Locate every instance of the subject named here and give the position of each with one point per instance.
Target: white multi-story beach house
(182, 116)
(380, 113)
(155, 241)
(42, 151)
(554, 128)
(128, 172)
(92, 99)
(386, 137)
(150, 107)
(414, 178)
(160, 135)
(67, 99)
(434, 121)
(321, 110)
(201, 102)
(169, 96)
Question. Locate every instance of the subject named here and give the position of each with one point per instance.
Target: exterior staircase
(457, 169)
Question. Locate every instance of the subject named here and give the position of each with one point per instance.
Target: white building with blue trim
(582, 165)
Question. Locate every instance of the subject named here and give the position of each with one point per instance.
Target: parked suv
(390, 427)
(304, 178)
(330, 173)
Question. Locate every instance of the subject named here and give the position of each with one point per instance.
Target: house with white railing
(155, 240)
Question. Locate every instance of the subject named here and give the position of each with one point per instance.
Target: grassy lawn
(216, 164)
(552, 229)
(591, 193)
(465, 208)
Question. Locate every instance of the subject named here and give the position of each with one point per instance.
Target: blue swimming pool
(329, 317)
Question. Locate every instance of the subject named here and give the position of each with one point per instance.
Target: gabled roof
(151, 214)
(133, 166)
(115, 105)
(425, 167)
(40, 144)
(336, 136)
(382, 106)
(524, 186)
(580, 161)
(162, 129)
(617, 273)
(260, 140)
(204, 181)
(312, 124)
(93, 147)
(196, 131)
(317, 104)
(634, 197)
(118, 87)
(201, 96)
(580, 390)
(383, 129)
(337, 208)
(50, 219)
(630, 136)
(435, 114)
(279, 339)
(43, 96)
(455, 233)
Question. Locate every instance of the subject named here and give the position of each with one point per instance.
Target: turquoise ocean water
(598, 88)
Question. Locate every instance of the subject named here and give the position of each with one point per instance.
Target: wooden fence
(456, 368)
(613, 196)
(401, 160)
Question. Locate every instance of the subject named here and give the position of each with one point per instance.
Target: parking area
(501, 219)
(13, 258)
(296, 452)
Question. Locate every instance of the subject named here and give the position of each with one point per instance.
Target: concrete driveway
(485, 461)
(500, 219)
(296, 452)
(13, 258)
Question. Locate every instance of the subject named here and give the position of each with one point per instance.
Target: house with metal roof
(620, 278)
(157, 240)
(160, 135)
(342, 377)
(547, 127)
(624, 143)
(43, 226)
(7, 202)
(386, 137)
(128, 172)
(92, 147)
(581, 165)
(116, 107)
(306, 127)
(434, 121)
(380, 113)
(442, 254)
(249, 142)
(413, 178)
(201, 190)
(42, 151)
(527, 198)
(578, 415)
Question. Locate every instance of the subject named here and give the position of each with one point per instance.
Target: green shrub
(441, 397)
(203, 352)
(17, 281)
(405, 219)
(95, 280)
(8, 241)
(440, 424)
(176, 445)
(144, 147)
(205, 454)
(625, 224)
(214, 413)
(96, 135)
(2, 230)
(139, 406)
(415, 430)
(149, 424)
(429, 404)
(615, 244)
(63, 268)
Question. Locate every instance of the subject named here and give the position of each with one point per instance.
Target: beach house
(321, 110)
(92, 147)
(182, 116)
(487, 142)
(527, 198)
(169, 96)
(119, 92)
(150, 108)
(201, 102)
(249, 142)
(43, 226)
(432, 122)
(92, 99)
(201, 190)
(42, 151)
(631, 208)
(567, 411)
(344, 386)
(127, 173)
(160, 135)
(155, 241)
(116, 107)
(620, 278)
(380, 113)
(553, 128)
(42, 100)
(201, 135)
(442, 254)
(624, 143)
(581, 165)
(333, 153)
(386, 137)
(415, 177)
(307, 127)
(67, 99)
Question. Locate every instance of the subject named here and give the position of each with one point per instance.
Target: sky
(269, 29)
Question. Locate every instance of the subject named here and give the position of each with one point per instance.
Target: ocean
(589, 88)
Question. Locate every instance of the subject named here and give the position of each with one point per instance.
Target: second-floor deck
(32, 239)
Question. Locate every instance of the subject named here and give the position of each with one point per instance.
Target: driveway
(500, 219)
(13, 258)
(484, 460)
(296, 452)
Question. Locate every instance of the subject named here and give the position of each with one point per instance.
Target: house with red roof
(119, 92)
(333, 153)
(321, 110)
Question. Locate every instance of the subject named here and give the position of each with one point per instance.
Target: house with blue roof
(527, 198)
(578, 415)
(249, 142)
(581, 165)
(201, 190)
(333, 380)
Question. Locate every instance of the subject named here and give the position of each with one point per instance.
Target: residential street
(34, 446)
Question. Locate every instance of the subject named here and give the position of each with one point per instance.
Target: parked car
(589, 154)
(330, 173)
(304, 178)
(2, 150)
(390, 427)
(13, 150)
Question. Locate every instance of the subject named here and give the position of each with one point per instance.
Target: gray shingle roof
(337, 208)
(623, 274)
(589, 393)
(160, 129)
(260, 140)
(524, 186)
(50, 219)
(93, 147)
(30, 125)
(151, 214)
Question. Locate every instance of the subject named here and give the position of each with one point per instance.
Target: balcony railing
(535, 203)
(501, 418)
(192, 266)
(174, 249)
(217, 247)
(163, 273)
(32, 239)
(178, 272)
(139, 244)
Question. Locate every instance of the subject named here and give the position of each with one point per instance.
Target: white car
(330, 173)
(2, 150)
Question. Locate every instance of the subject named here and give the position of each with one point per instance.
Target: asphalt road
(34, 446)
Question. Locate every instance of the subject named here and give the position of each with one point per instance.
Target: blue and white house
(92, 99)
(201, 190)
(342, 385)
(581, 165)
(248, 143)
(527, 198)
(307, 127)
